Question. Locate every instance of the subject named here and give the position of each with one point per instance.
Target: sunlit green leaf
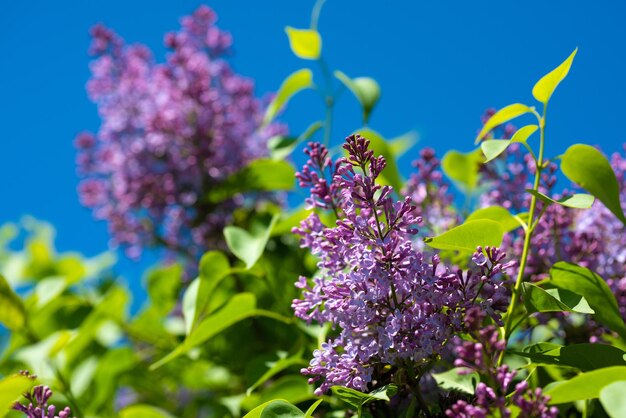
(537, 299)
(496, 214)
(585, 356)
(463, 168)
(492, 148)
(468, 236)
(543, 89)
(48, 289)
(278, 366)
(359, 399)
(214, 266)
(613, 400)
(281, 409)
(259, 175)
(281, 147)
(294, 83)
(401, 144)
(239, 307)
(366, 90)
(144, 411)
(163, 284)
(587, 167)
(256, 412)
(312, 408)
(576, 201)
(11, 389)
(453, 380)
(12, 312)
(304, 43)
(594, 289)
(585, 385)
(249, 245)
(502, 116)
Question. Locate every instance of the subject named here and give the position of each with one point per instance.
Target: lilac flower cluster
(38, 403)
(388, 305)
(431, 194)
(170, 133)
(492, 398)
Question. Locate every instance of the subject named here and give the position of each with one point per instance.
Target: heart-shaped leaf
(544, 88)
(304, 43)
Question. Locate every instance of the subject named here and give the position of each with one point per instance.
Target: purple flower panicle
(387, 303)
(170, 133)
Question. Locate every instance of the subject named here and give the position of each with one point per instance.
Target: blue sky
(440, 64)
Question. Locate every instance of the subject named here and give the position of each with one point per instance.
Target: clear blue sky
(440, 64)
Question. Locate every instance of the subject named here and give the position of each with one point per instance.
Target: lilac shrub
(171, 132)
(388, 304)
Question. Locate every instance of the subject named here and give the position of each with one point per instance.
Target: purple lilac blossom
(492, 397)
(388, 304)
(170, 133)
(38, 406)
(430, 192)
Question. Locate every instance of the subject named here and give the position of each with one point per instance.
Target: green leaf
(585, 385)
(276, 367)
(312, 408)
(537, 299)
(365, 89)
(304, 43)
(214, 267)
(502, 116)
(496, 214)
(401, 144)
(281, 409)
(492, 148)
(281, 147)
(260, 175)
(163, 284)
(613, 400)
(143, 411)
(576, 201)
(294, 83)
(239, 307)
(248, 246)
(453, 380)
(585, 357)
(587, 167)
(12, 312)
(391, 174)
(358, 399)
(542, 91)
(468, 236)
(594, 289)
(48, 289)
(11, 389)
(463, 168)
(256, 412)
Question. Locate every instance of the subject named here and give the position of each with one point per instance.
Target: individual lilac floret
(38, 403)
(388, 304)
(170, 133)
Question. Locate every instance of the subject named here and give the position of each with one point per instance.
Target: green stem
(315, 15)
(329, 101)
(508, 325)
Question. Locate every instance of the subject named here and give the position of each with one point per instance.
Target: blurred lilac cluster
(170, 133)
(431, 194)
(388, 305)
